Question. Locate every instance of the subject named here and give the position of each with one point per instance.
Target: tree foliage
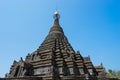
(113, 74)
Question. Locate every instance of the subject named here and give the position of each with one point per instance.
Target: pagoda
(55, 59)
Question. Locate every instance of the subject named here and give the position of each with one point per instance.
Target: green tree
(113, 74)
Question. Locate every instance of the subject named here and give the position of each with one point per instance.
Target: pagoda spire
(56, 18)
(56, 28)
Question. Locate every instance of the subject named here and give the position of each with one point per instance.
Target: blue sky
(91, 26)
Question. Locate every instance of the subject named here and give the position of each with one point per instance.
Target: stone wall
(51, 78)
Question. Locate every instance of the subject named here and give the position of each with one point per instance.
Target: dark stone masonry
(55, 59)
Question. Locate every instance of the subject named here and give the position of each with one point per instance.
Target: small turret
(21, 59)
